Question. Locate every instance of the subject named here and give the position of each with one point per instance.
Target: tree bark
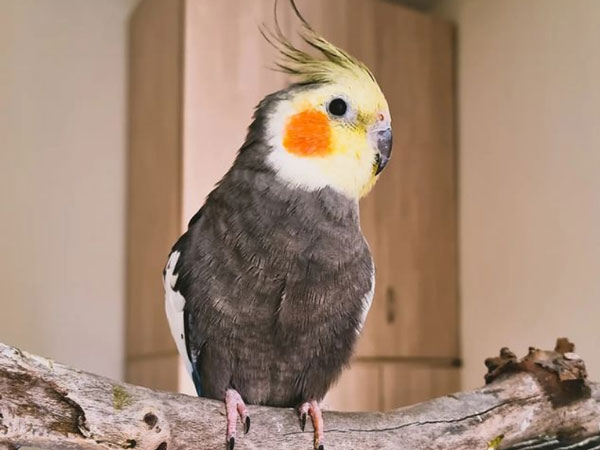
(48, 405)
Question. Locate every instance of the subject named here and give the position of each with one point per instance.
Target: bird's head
(332, 128)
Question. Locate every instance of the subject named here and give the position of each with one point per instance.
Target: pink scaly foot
(314, 411)
(234, 407)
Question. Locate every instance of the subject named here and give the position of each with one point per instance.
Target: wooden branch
(49, 405)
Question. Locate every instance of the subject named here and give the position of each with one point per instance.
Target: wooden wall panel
(371, 385)
(410, 383)
(359, 389)
(154, 175)
(410, 218)
(226, 75)
(156, 372)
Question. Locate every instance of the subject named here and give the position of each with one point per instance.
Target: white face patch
(174, 305)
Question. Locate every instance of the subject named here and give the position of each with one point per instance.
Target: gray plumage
(276, 280)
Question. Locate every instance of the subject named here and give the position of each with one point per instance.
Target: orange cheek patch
(308, 134)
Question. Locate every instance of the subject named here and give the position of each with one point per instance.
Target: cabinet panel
(156, 372)
(358, 389)
(410, 218)
(154, 165)
(227, 73)
(371, 385)
(407, 384)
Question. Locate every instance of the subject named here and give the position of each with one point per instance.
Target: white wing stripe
(367, 300)
(174, 305)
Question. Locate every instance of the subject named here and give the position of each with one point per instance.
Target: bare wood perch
(540, 402)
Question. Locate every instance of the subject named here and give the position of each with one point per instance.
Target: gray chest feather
(277, 282)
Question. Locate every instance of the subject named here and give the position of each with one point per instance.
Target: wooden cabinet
(197, 69)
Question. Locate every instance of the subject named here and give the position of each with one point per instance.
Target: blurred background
(117, 117)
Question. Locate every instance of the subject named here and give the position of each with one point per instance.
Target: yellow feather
(335, 62)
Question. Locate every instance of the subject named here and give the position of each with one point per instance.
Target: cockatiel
(267, 291)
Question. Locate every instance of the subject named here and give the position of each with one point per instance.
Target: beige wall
(529, 112)
(62, 168)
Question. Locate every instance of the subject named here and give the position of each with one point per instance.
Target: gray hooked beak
(381, 137)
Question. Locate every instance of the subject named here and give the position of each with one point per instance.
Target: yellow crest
(334, 64)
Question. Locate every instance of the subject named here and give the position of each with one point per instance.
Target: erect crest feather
(334, 63)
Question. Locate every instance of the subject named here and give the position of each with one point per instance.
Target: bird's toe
(303, 421)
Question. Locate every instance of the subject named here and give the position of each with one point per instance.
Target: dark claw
(303, 421)
(321, 447)
(231, 443)
(247, 425)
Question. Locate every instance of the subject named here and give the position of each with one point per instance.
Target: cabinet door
(358, 389)
(373, 385)
(154, 181)
(227, 73)
(414, 382)
(410, 218)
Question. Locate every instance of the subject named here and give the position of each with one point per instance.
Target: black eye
(337, 107)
